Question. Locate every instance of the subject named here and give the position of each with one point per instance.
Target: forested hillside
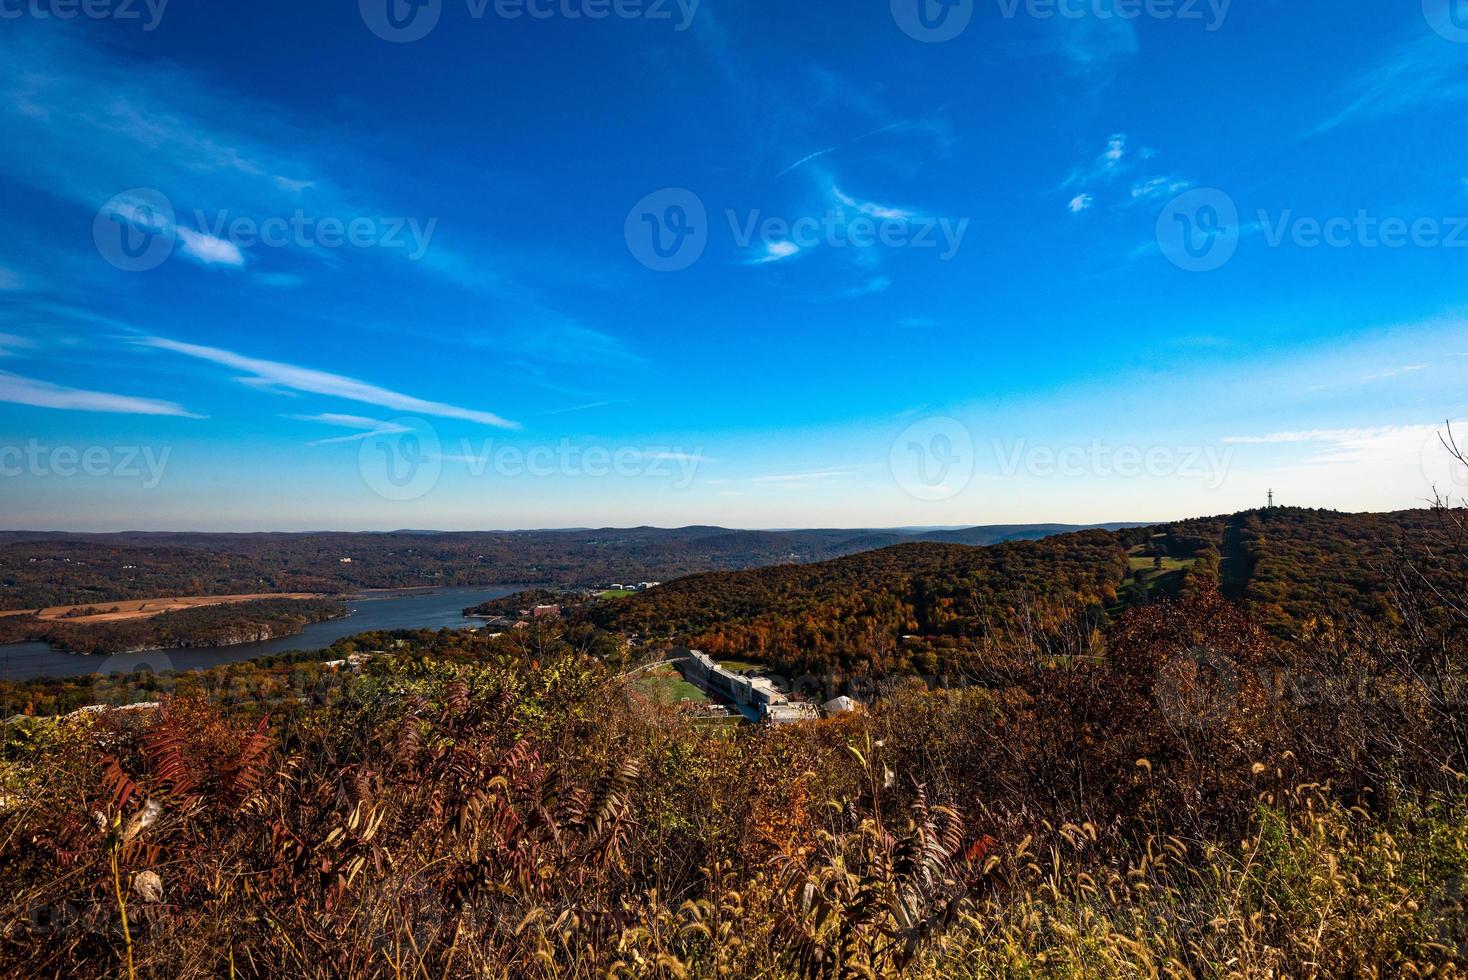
(855, 612)
(1297, 567)
(909, 608)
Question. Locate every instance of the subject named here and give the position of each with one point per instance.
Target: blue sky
(764, 265)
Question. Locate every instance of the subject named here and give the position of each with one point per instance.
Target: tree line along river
(436, 609)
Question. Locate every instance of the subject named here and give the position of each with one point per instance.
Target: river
(436, 609)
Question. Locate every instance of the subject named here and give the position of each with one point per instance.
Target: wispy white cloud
(873, 286)
(1111, 162)
(775, 252)
(1311, 435)
(1381, 443)
(369, 427)
(547, 336)
(294, 186)
(604, 403)
(311, 381)
(208, 250)
(1366, 379)
(1372, 454)
(1397, 372)
(1419, 72)
(934, 128)
(1154, 188)
(677, 457)
(801, 480)
(43, 394)
(333, 418)
(871, 208)
(94, 123)
(10, 279)
(9, 341)
(804, 160)
(1081, 202)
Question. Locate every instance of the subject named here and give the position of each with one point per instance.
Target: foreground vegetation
(480, 807)
(1088, 785)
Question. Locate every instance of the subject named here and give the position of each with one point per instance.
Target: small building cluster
(630, 587)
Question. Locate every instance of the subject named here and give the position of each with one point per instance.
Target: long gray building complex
(757, 697)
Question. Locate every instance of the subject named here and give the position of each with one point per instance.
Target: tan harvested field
(147, 608)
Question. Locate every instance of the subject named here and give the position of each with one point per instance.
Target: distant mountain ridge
(42, 568)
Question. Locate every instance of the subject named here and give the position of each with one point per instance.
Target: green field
(1149, 580)
(740, 665)
(1140, 563)
(667, 686)
(617, 593)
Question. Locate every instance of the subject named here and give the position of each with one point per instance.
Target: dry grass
(128, 609)
(508, 811)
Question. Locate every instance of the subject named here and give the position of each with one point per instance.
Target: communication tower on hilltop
(1271, 498)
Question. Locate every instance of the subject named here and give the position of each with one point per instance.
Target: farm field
(112, 612)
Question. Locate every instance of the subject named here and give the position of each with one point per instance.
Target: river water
(436, 609)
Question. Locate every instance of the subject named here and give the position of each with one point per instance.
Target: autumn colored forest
(1219, 748)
